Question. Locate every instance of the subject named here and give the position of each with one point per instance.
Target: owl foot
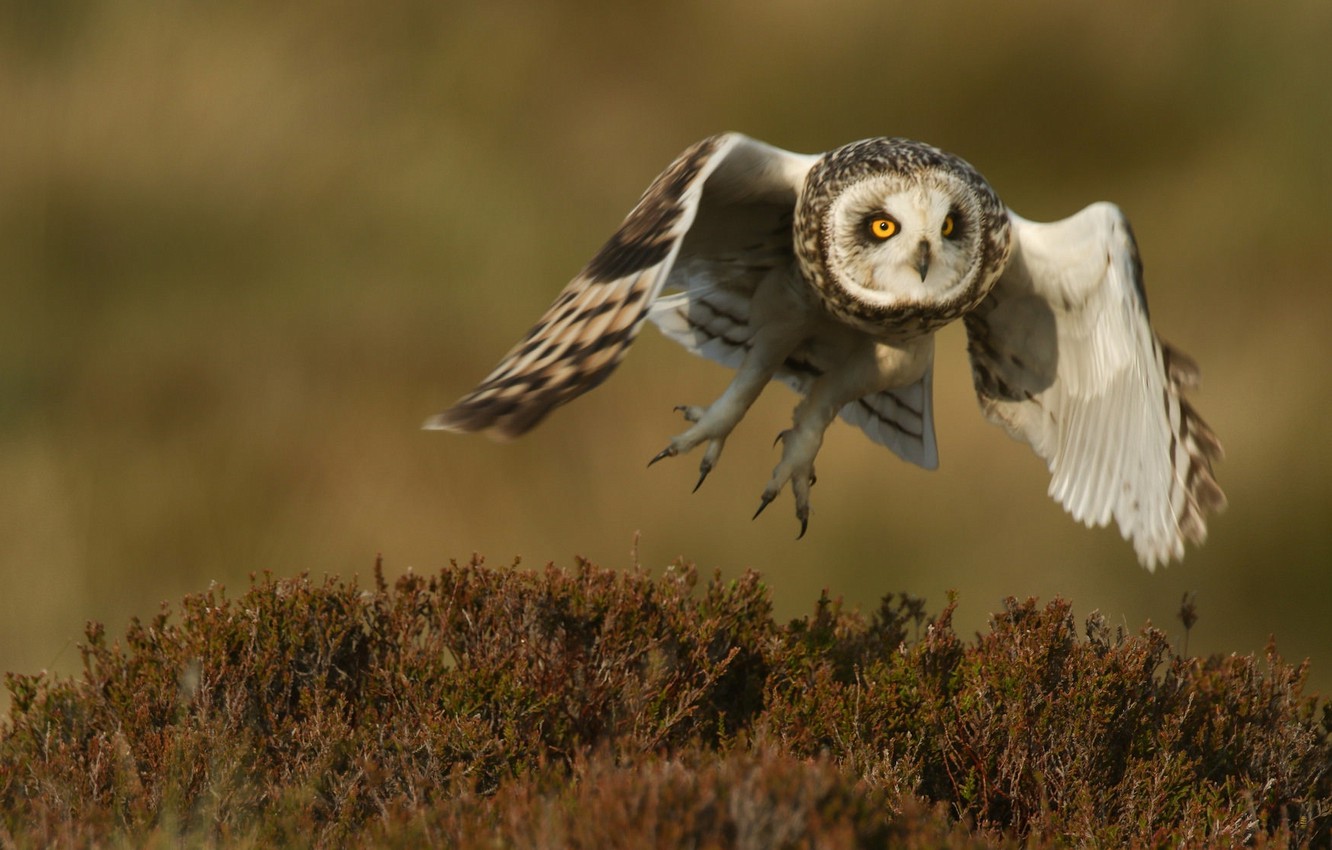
(713, 430)
(797, 467)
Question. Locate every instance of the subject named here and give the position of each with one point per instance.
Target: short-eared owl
(831, 273)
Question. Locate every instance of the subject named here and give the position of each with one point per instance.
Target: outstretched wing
(1063, 357)
(713, 322)
(699, 215)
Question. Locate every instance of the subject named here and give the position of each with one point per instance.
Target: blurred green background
(247, 248)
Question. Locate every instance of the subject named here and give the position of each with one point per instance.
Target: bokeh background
(246, 248)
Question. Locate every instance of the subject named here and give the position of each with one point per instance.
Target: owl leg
(800, 445)
(714, 423)
(867, 368)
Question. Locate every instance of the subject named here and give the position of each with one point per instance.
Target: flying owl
(831, 273)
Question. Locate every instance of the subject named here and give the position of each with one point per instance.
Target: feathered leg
(869, 368)
(772, 344)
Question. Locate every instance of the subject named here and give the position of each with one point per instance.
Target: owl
(831, 273)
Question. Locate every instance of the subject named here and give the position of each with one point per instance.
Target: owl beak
(923, 259)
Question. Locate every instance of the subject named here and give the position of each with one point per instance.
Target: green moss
(595, 708)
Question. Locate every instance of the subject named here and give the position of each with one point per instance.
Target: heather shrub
(596, 708)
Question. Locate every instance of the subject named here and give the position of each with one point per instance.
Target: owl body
(831, 273)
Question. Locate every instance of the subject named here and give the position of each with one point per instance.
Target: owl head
(898, 237)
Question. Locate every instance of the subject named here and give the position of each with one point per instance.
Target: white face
(898, 241)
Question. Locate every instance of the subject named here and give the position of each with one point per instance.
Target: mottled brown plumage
(584, 334)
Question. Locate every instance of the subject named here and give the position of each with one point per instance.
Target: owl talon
(703, 469)
(709, 460)
(692, 413)
(797, 469)
(707, 427)
(800, 489)
(764, 501)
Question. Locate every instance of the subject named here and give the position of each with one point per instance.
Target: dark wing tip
(1204, 494)
(1181, 369)
(513, 402)
(502, 420)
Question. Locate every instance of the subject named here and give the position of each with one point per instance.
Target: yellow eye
(883, 227)
(948, 226)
